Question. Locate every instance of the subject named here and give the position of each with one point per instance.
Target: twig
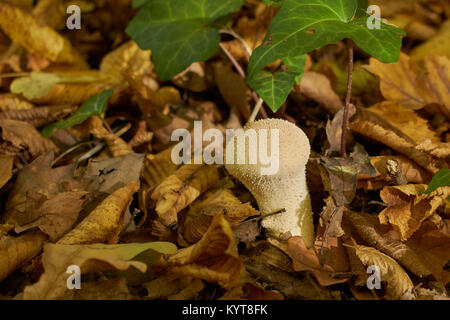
(255, 110)
(233, 61)
(347, 100)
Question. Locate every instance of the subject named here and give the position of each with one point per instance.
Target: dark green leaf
(304, 25)
(94, 106)
(179, 32)
(440, 179)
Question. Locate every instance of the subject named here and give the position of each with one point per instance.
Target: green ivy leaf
(179, 32)
(304, 25)
(94, 106)
(440, 179)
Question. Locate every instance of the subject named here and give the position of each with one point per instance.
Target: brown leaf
(214, 258)
(233, 89)
(38, 117)
(374, 127)
(398, 283)
(6, 166)
(193, 78)
(53, 216)
(250, 291)
(408, 207)
(16, 251)
(18, 136)
(180, 189)
(106, 221)
(371, 232)
(433, 247)
(202, 211)
(164, 287)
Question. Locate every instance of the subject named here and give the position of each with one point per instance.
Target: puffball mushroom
(285, 189)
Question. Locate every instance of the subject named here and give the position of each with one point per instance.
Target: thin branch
(256, 110)
(347, 100)
(233, 61)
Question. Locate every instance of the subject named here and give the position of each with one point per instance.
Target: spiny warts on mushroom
(286, 188)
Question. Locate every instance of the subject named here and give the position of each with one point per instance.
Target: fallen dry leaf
(398, 283)
(16, 251)
(180, 189)
(106, 222)
(57, 257)
(214, 258)
(17, 136)
(404, 84)
(6, 166)
(201, 212)
(408, 207)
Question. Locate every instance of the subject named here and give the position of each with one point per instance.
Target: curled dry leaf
(374, 127)
(368, 228)
(16, 251)
(398, 283)
(23, 28)
(180, 189)
(201, 212)
(193, 78)
(439, 44)
(408, 206)
(214, 258)
(403, 83)
(56, 258)
(304, 259)
(17, 136)
(39, 117)
(106, 221)
(116, 144)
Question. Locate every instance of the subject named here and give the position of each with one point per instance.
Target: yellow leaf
(180, 189)
(23, 28)
(202, 211)
(439, 44)
(398, 283)
(408, 207)
(106, 221)
(10, 101)
(57, 258)
(116, 144)
(16, 251)
(214, 258)
(406, 84)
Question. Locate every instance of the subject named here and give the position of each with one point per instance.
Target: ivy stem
(347, 100)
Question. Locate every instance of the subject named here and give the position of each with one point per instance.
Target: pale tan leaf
(398, 283)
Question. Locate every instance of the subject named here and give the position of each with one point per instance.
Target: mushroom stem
(284, 188)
